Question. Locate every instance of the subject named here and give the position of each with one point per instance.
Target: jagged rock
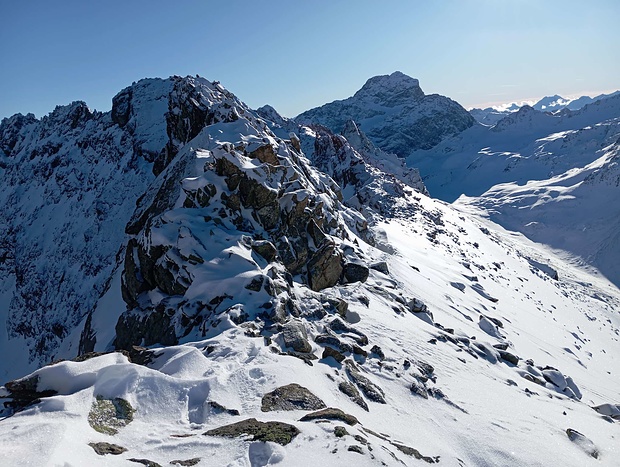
(337, 325)
(378, 352)
(370, 389)
(277, 432)
(610, 410)
(146, 328)
(325, 267)
(330, 352)
(509, 357)
(380, 266)
(415, 453)
(350, 390)
(291, 397)
(355, 272)
(103, 448)
(340, 431)
(265, 154)
(216, 407)
(330, 413)
(108, 415)
(295, 336)
(24, 392)
(265, 249)
(419, 388)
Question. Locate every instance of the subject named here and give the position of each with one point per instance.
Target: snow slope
(477, 408)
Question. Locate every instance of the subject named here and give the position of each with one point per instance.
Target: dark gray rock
(415, 453)
(370, 389)
(24, 392)
(295, 336)
(216, 407)
(325, 267)
(277, 432)
(266, 249)
(350, 390)
(330, 413)
(583, 442)
(106, 448)
(509, 357)
(355, 448)
(355, 272)
(186, 463)
(330, 352)
(340, 431)
(291, 397)
(380, 266)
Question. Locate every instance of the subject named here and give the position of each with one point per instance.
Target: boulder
(330, 413)
(277, 432)
(355, 272)
(291, 397)
(350, 390)
(107, 448)
(325, 267)
(295, 336)
(265, 249)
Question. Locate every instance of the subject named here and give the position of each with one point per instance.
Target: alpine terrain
(188, 281)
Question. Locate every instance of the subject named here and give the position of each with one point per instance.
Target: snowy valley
(188, 281)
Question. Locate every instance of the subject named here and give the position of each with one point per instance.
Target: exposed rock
(370, 389)
(291, 397)
(350, 390)
(378, 352)
(355, 448)
(340, 326)
(509, 357)
(419, 388)
(186, 463)
(108, 415)
(380, 266)
(331, 352)
(355, 272)
(583, 442)
(325, 267)
(610, 410)
(330, 413)
(106, 448)
(146, 462)
(216, 407)
(415, 453)
(265, 154)
(24, 392)
(340, 431)
(265, 249)
(277, 432)
(295, 336)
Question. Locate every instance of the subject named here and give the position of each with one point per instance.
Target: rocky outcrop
(277, 432)
(291, 397)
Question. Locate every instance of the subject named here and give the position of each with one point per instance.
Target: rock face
(395, 114)
(75, 176)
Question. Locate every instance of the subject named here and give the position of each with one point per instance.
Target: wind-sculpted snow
(395, 114)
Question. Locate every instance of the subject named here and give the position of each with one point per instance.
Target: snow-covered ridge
(301, 298)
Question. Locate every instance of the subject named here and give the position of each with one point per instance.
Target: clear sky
(296, 55)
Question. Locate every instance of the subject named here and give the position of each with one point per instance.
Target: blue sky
(298, 55)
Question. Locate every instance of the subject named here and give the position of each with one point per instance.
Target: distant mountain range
(491, 115)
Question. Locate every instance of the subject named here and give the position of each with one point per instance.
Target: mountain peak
(397, 83)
